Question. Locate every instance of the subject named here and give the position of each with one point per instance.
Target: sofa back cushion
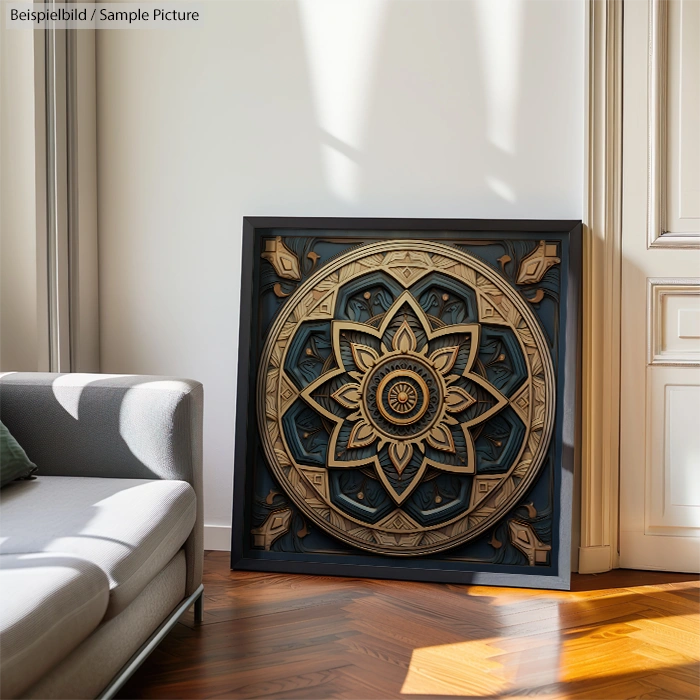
(14, 463)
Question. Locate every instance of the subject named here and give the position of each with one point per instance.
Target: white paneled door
(660, 377)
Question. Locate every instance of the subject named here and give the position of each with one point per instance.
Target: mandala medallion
(405, 397)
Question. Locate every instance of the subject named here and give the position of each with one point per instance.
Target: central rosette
(403, 396)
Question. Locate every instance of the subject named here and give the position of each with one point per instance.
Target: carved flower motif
(403, 397)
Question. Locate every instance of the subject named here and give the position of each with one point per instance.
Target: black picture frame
(567, 416)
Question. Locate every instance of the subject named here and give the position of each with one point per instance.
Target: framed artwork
(407, 399)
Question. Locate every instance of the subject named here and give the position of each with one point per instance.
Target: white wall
(18, 250)
(312, 107)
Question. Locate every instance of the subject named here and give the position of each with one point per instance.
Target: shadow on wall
(358, 106)
(458, 94)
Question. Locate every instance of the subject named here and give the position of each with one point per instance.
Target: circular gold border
(453, 255)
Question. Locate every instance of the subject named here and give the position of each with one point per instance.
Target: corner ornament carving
(534, 266)
(276, 524)
(524, 538)
(283, 260)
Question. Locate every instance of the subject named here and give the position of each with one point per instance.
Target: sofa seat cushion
(130, 528)
(50, 603)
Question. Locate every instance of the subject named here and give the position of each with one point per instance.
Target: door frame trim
(602, 298)
(67, 241)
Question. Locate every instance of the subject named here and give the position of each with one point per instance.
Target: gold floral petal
(348, 395)
(404, 339)
(409, 487)
(441, 438)
(364, 356)
(458, 399)
(361, 435)
(400, 454)
(444, 359)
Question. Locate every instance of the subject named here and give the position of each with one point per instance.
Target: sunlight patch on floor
(552, 662)
(481, 668)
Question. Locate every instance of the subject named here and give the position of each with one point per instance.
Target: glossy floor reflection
(625, 634)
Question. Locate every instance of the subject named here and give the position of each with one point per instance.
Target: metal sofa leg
(152, 642)
(199, 608)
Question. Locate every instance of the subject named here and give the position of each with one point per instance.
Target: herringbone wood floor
(625, 634)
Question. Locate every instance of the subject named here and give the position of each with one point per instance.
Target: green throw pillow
(14, 463)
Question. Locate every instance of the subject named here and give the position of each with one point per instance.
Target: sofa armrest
(119, 426)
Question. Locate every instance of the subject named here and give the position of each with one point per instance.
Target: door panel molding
(658, 72)
(602, 292)
(685, 349)
(672, 483)
(658, 235)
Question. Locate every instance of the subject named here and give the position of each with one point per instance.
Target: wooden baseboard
(594, 560)
(217, 537)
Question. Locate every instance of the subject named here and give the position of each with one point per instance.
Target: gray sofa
(102, 552)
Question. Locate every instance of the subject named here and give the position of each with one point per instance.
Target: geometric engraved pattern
(376, 404)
